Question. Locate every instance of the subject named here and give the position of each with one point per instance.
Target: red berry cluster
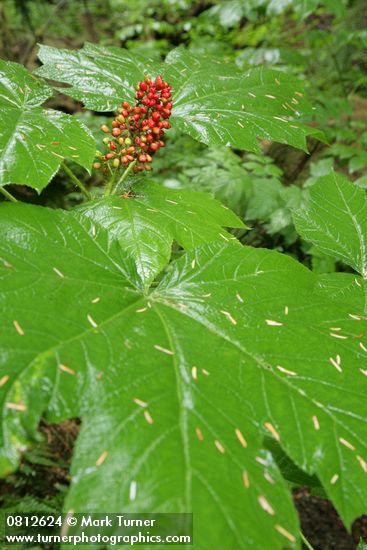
(138, 132)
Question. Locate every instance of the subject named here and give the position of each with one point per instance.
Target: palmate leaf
(213, 101)
(217, 103)
(178, 386)
(100, 77)
(335, 220)
(34, 141)
(148, 222)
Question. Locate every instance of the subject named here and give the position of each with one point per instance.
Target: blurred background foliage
(322, 42)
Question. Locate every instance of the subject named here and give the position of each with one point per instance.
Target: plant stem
(124, 176)
(7, 195)
(110, 183)
(305, 541)
(75, 180)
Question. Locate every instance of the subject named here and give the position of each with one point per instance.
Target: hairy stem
(76, 180)
(7, 195)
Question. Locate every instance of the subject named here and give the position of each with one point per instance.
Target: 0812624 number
(28, 520)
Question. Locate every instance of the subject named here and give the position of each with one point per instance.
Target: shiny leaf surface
(148, 222)
(335, 220)
(213, 101)
(177, 387)
(34, 141)
(217, 103)
(99, 76)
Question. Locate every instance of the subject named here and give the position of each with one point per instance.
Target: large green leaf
(177, 387)
(213, 101)
(148, 223)
(217, 103)
(335, 220)
(34, 141)
(100, 77)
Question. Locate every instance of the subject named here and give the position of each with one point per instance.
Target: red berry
(158, 82)
(141, 126)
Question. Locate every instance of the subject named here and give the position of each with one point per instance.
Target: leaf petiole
(76, 180)
(110, 183)
(7, 195)
(305, 542)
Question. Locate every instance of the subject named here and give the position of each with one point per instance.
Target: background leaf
(216, 103)
(335, 220)
(213, 101)
(101, 77)
(34, 141)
